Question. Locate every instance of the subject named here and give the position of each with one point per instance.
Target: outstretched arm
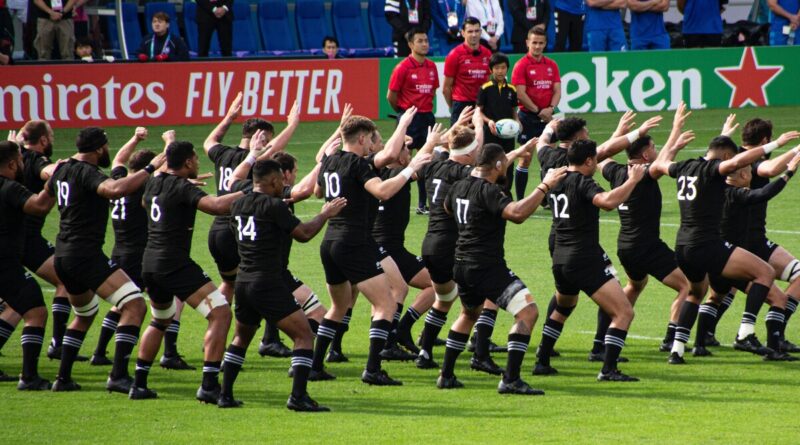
(124, 153)
(219, 131)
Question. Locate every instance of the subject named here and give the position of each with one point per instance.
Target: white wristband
(548, 133)
(632, 136)
(796, 150)
(769, 148)
(250, 159)
(407, 173)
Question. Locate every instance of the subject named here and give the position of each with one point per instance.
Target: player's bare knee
(36, 317)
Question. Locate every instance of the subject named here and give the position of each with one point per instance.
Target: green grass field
(731, 397)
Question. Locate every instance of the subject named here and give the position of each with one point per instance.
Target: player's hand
(12, 136)
(684, 139)
(681, 114)
(294, 115)
(258, 143)
(554, 176)
(636, 171)
(435, 134)
(553, 125)
(346, 113)
(493, 127)
(168, 136)
(235, 110)
(649, 124)
(332, 208)
(788, 136)
(419, 161)
(626, 123)
(465, 115)
(140, 133)
(158, 161)
(407, 117)
(730, 125)
(333, 147)
(792, 166)
(529, 146)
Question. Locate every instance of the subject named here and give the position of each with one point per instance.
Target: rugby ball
(507, 128)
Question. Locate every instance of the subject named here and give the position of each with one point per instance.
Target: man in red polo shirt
(466, 68)
(414, 83)
(538, 85)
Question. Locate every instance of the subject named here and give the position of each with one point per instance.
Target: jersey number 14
(248, 229)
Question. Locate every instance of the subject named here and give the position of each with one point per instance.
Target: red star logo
(749, 80)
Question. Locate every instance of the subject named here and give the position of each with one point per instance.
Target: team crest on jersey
(549, 71)
(111, 263)
(413, 76)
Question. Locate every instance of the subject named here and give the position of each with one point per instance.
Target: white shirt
(486, 11)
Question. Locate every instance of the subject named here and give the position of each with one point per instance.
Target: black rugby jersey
(550, 157)
(390, 224)
(129, 220)
(225, 159)
(701, 193)
(737, 217)
(32, 180)
(344, 174)
(576, 220)
(13, 197)
(439, 176)
(477, 207)
(640, 214)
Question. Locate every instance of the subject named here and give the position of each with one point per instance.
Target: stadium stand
(312, 23)
(245, 35)
(133, 29)
(277, 34)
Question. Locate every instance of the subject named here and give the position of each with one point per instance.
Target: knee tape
(212, 301)
(791, 272)
(157, 325)
(519, 301)
(311, 304)
(565, 311)
(89, 309)
(448, 297)
(125, 294)
(163, 314)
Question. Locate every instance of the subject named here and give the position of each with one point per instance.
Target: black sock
(107, 330)
(775, 321)
(550, 333)
(61, 310)
(327, 330)
(791, 307)
(301, 364)
(705, 318)
(603, 322)
(392, 339)
(171, 339)
(551, 306)
(484, 328)
(755, 298)
(271, 334)
(32, 339)
(234, 359)
(422, 196)
(615, 341)
(126, 339)
(456, 343)
(344, 326)
(5, 332)
(409, 318)
(685, 322)
(72, 341)
(211, 374)
(517, 347)
(314, 325)
(141, 373)
(520, 181)
(726, 303)
(434, 322)
(670, 335)
(378, 332)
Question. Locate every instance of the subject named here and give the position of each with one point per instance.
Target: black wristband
(150, 168)
(789, 173)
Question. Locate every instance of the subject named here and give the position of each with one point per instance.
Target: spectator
(54, 20)
(702, 23)
(785, 19)
(604, 25)
(403, 15)
(447, 16)
(527, 14)
(466, 68)
(647, 24)
(569, 15)
(6, 39)
(489, 13)
(214, 15)
(160, 46)
(84, 50)
(330, 46)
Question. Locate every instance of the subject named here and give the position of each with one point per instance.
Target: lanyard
(485, 12)
(416, 3)
(447, 5)
(153, 43)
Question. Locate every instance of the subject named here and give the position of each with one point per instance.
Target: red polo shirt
(538, 77)
(469, 71)
(415, 84)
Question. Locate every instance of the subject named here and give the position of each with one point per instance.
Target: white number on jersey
(332, 184)
(623, 207)
(118, 212)
(225, 174)
(155, 210)
(560, 206)
(687, 191)
(462, 207)
(437, 183)
(62, 193)
(248, 229)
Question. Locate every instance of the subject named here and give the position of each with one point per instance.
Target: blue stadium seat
(508, 26)
(154, 7)
(312, 25)
(133, 29)
(381, 31)
(190, 27)
(348, 25)
(245, 34)
(276, 32)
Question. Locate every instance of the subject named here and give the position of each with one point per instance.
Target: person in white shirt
(490, 15)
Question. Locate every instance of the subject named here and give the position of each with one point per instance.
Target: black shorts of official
(223, 248)
(532, 126)
(418, 130)
(763, 248)
(36, 251)
(181, 282)
(291, 281)
(82, 274)
(655, 259)
(457, 108)
(268, 299)
(587, 276)
(722, 285)
(440, 267)
(707, 258)
(408, 263)
(346, 261)
(132, 266)
(19, 289)
(478, 282)
(489, 138)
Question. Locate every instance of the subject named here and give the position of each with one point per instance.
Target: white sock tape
(163, 314)
(89, 309)
(448, 297)
(519, 301)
